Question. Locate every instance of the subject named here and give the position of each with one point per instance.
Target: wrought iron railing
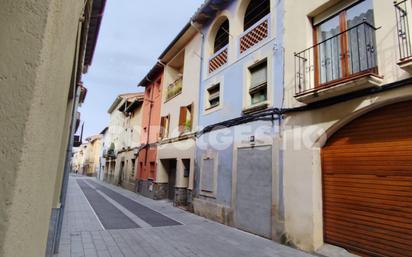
(174, 89)
(402, 25)
(218, 59)
(255, 34)
(343, 56)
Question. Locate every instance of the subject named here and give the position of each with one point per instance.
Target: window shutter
(182, 119)
(191, 115)
(162, 127)
(258, 75)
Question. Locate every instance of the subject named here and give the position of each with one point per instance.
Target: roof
(94, 28)
(128, 97)
(153, 74)
(205, 14)
(91, 139)
(104, 131)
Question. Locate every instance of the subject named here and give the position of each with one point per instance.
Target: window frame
(209, 106)
(209, 156)
(248, 107)
(183, 118)
(341, 13)
(164, 128)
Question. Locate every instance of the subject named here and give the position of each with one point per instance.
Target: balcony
(338, 65)
(218, 59)
(404, 38)
(255, 34)
(174, 89)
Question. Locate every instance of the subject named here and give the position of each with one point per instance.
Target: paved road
(106, 221)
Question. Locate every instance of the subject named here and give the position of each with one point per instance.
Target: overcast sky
(132, 35)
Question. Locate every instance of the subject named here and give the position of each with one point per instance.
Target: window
(133, 167)
(164, 126)
(213, 99)
(222, 36)
(258, 83)
(185, 119)
(174, 88)
(186, 167)
(256, 10)
(346, 44)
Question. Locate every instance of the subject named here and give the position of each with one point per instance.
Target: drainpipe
(192, 23)
(150, 119)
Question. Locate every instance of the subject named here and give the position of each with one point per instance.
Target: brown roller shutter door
(367, 183)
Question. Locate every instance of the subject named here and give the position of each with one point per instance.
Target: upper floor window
(213, 96)
(222, 36)
(346, 43)
(220, 47)
(256, 10)
(258, 83)
(164, 126)
(185, 119)
(175, 69)
(344, 49)
(256, 24)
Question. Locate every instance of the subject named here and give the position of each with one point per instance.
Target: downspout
(199, 99)
(150, 119)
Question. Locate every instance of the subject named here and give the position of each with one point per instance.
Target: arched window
(222, 36)
(256, 10)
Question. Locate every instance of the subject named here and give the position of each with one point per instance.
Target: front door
(253, 210)
(172, 179)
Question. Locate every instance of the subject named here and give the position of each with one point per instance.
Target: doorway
(171, 172)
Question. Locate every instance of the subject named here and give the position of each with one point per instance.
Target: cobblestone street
(103, 220)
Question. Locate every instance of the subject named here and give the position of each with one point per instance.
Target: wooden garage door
(367, 183)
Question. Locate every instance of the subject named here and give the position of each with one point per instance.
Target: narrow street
(103, 220)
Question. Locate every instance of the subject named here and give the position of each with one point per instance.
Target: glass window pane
(259, 96)
(329, 50)
(362, 38)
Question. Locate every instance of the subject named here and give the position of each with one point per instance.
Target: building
(347, 126)
(102, 160)
(40, 90)
(179, 108)
(146, 176)
(125, 169)
(78, 159)
(92, 155)
(122, 134)
(237, 151)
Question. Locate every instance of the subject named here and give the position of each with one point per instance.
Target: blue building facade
(238, 173)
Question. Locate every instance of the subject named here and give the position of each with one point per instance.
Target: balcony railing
(218, 59)
(349, 54)
(255, 34)
(174, 89)
(402, 25)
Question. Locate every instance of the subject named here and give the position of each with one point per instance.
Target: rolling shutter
(367, 183)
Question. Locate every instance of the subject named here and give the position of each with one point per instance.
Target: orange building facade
(147, 157)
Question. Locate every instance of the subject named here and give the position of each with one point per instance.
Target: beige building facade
(179, 109)
(123, 140)
(350, 90)
(92, 152)
(39, 82)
